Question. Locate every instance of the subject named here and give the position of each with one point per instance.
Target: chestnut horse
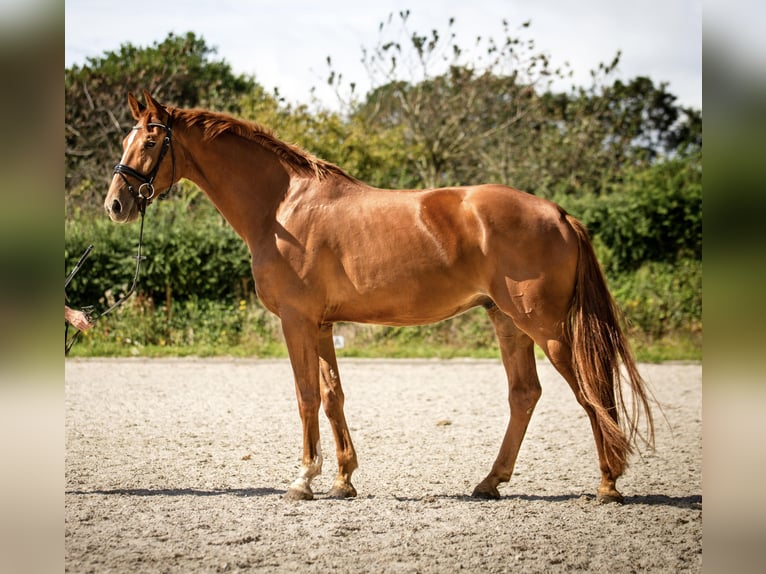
(326, 247)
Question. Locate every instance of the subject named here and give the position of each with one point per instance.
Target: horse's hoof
(293, 493)
(342, 491)
(609, 496)
(486, 492)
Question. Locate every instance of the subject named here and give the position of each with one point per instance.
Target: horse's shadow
(688, 502)
(140, 492)
(692, 502)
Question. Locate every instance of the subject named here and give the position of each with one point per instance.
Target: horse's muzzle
(119, 210)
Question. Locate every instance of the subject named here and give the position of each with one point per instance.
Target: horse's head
(144, 167)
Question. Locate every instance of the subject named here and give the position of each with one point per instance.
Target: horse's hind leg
(517, 352)
(332, 400)
(560, 355)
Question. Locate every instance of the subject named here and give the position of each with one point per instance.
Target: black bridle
(142, 197)
(145, 193)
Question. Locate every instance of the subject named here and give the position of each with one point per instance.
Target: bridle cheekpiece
(146, 193)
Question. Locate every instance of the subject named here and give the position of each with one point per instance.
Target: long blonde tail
(598, 346)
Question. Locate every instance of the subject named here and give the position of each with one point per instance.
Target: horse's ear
(136, 107)
(153, 104)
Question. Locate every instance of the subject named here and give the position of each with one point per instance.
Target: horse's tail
(598, 343)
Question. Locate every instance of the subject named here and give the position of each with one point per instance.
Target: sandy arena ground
(179, 465)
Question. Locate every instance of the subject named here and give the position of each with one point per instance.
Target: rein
(143, 197)
(89, 310)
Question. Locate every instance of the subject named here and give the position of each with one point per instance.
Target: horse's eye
(149, 144)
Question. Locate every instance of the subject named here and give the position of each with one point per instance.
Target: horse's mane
(215, 124)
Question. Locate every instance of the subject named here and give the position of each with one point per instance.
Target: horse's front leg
(302, 338)
(332, 399)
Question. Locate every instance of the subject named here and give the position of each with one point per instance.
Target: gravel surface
(179, 465)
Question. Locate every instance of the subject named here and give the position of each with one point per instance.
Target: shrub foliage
(621, 156)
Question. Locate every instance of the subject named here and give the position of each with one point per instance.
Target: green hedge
(191, 253)
(659, 298)
(196, 291)
(662, 303)
(655, 215)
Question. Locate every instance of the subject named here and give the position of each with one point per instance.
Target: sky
(285, 43)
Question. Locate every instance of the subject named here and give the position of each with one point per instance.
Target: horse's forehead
(129, 138)
(128, 143)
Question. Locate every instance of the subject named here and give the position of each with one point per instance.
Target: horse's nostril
(116, 207)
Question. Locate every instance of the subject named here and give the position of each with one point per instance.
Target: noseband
(145, 192)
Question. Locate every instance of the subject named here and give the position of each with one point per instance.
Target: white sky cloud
(285, 44)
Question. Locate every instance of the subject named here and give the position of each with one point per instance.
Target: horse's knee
(332, 400)
(331, 391)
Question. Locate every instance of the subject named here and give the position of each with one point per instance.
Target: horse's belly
(406, 305)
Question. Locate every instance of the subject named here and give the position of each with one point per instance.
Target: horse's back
(482, 230)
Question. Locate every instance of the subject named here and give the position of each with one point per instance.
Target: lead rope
(90, 313)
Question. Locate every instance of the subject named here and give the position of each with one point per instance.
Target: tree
(489, 114)
(586, 139)
(655, 215)
(447, 102)
(179, 70)
(374, 153)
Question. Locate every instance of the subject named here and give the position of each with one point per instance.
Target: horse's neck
(245, 181)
